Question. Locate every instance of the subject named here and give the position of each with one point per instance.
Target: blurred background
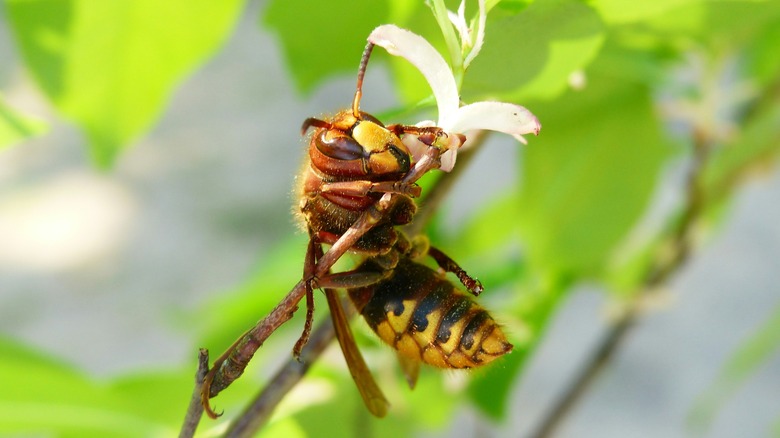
(113, 268)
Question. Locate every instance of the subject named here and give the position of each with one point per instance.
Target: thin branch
(680, 240)
(195, 409)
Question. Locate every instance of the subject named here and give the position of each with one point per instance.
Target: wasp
(353, 160)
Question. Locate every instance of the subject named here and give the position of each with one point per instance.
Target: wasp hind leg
(309, 267)
(341, 280)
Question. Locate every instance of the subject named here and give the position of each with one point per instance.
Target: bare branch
(195, 408)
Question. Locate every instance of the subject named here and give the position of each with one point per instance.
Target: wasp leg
(352, 279)
(445, 262)
(363, 188)
(341, 280)
(309, 267)
(428, 135)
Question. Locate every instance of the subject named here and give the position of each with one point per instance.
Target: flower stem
(450, 38)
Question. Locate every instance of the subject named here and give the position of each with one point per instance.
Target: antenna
(361, 73)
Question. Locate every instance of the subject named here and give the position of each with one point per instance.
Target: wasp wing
(372, 396)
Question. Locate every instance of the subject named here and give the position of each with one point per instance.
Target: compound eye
(340, 147)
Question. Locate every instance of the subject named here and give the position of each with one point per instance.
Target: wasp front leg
(363, 188)
(428, 135)
(449, 265)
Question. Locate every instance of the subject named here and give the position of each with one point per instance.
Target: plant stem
(450, 38)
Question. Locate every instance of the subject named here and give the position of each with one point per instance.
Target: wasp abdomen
(426, 318)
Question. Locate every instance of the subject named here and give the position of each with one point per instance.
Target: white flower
(453, 119)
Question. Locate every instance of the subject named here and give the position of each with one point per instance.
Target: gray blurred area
(197, 203)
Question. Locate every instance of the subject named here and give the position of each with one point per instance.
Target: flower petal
(418, 51)
(415, 146)
(495, 116)
(448, 160)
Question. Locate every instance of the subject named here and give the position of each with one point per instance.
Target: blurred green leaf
(429, 405)
(15, 127)
(762, 59)
(532, 54)
(159, 396)
(44, 396)
(620, 12)
(745, 362)
(111, 65)
(590, 174)
(285, 427)
(719, 25)
(322, 39)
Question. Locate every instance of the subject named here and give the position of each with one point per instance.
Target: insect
(354, 160)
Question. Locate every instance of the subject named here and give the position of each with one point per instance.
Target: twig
(195, 409)
(613, 339)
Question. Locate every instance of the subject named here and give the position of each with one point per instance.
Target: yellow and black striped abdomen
(425, 318)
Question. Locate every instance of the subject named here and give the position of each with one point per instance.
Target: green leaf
(619, 12)
(590, 174)
(111, 65)
(762, 60)
(159, 396)
(42, 395)
(15, 127)
(718, 25)
(756, 351)
(531, 54)
(321, 39)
